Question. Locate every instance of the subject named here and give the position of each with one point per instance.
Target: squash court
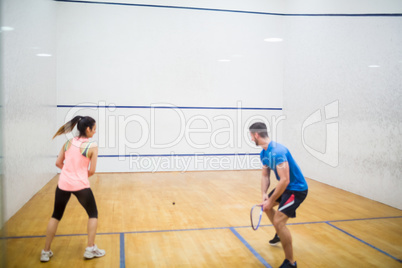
(208, 226)
(163, 95)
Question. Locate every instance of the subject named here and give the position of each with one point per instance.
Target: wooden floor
(207, 227)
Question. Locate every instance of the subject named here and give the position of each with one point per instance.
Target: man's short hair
(259, 128)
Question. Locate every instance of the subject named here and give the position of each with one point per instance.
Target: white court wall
(342, 97)
(196, 58)
(213, 66)
(28, 99)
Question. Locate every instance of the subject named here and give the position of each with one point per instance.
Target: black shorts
(84, 196)
(289, 201)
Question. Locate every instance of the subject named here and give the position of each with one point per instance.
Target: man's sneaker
(286, 264)
(91, 252)
(274, 240)
(46, 255)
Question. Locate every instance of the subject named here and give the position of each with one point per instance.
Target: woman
(76, 155)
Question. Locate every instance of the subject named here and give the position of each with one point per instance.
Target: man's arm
(284, 179)
(265, 182)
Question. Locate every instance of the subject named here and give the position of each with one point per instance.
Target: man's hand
(266, 205)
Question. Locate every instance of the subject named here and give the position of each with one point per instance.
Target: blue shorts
(289, 201)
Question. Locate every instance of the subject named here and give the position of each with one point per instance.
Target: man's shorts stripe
(288, 203)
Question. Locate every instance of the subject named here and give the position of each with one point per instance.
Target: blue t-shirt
(276, 154)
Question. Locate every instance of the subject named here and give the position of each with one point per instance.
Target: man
(290, 191)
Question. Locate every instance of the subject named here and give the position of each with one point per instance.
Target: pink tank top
(74, 175)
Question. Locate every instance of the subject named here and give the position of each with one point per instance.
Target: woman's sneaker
(91, 252)
(46, 255)
(274, 240)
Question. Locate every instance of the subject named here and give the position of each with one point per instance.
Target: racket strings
(256, 216)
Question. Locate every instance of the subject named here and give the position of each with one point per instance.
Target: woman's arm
(60, 158)
(93, 155)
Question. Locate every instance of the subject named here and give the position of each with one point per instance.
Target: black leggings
(84, 196)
